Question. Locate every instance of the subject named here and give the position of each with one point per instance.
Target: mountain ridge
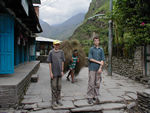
(64, 30)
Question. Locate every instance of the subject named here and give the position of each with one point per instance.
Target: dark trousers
(56, 89)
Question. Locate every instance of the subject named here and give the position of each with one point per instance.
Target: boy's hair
(96, 37)
(75, 51)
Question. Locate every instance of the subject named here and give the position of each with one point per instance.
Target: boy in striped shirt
(72, 66)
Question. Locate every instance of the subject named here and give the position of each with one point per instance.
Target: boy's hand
(62, 73)
(101, 62)
(78, 60)
(51, 75)
(99, 71)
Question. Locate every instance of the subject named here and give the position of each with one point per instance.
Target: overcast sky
(58, 11)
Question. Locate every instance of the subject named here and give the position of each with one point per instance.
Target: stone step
(87, 109)
(113, 106)
(101, 107)
(34, 78)
(50, 111)
(31, 100)
(13, 88)
(114, 111)
(66, 105)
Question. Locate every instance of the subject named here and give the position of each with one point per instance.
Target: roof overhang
(17, 10)
(44, 39)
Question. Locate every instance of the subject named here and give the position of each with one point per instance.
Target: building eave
(30, 22)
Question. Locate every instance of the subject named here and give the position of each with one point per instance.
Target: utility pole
(110, 42)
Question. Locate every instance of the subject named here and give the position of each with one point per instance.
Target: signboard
(25, 6)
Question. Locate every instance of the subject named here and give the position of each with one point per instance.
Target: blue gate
(6, 44)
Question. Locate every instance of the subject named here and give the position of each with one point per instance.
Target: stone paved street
(117, 93)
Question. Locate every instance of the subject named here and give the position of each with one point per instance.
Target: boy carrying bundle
(74, 61)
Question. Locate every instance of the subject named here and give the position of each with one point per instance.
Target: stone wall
(132, 68)
(16, 85)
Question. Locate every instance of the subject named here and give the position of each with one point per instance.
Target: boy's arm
(62, 73)
(96, 61)
(102, 62)
(50, 65)
(63, 60)
(50, 70)
(101, 67)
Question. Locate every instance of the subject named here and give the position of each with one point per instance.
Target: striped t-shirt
(73, 64)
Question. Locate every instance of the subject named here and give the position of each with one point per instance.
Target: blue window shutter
(6, 44)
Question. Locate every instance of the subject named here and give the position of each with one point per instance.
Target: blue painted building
(18, 27)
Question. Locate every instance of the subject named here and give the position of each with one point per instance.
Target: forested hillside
(98, 25)
(131, 25)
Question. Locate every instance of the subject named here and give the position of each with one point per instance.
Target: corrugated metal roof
(44, 39)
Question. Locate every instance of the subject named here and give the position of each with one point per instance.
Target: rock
(126, 98)
(87, 109)
(110, 99)
(43, 111)
(7, 111)
(79, 97)
(51, 111)
(113, 111)
(18, 111)
(30, 107)
(113, 106)
(44, 105)
(67, 98)
(81, 103)
(132, 95)
(30, 96)
(147, 91)
(24, 111)
(144, 101)
(62, 111)
(66, 105)
(131, 105)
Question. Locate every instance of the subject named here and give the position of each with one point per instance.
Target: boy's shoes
(54, 104)
(59, 103)
(75, 80)
(97, 101)
(94, 98)
(90, 101)
(93, 101)
(68, 78)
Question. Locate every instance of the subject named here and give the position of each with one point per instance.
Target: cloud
(58, 11)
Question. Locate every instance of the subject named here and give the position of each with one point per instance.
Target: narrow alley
(116, 94)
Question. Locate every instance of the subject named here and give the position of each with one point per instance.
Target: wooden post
(148, 60)
(110, 43)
